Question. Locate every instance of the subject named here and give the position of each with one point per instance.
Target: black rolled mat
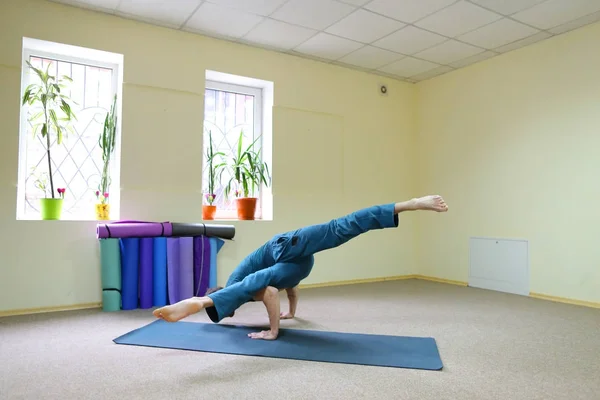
(199, 229)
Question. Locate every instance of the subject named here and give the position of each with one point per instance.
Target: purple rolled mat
(127, 229)
(186, 268)
(205, 281)
(173, 270)
(201, 265)
(146, 281)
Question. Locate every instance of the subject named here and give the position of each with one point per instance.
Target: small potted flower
(102, 207)
(215, 169)
(107, 143)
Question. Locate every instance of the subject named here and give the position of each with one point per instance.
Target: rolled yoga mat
(110, 265)
(159, 272)
(173, 271)
(146, 285)
(129, 273)
(220, 231)
(129, 229)
(186, 273)
(215, 246)
(202, 252)
(297, 344)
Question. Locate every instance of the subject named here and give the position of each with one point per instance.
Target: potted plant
(53, 119)
(215, 170)
(106, 141)
(248, 172)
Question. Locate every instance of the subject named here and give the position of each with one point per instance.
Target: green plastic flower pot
(51, 208)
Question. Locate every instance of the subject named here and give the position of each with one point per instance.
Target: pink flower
(106, 195)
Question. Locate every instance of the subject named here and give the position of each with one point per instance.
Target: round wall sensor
(383, 89)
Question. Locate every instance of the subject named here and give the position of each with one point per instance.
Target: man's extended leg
(315, 238)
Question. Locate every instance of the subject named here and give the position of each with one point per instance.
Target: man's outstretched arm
(292, 295)
(270, 298)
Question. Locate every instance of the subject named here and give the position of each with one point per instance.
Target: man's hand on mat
(287, 315)
(265, 335)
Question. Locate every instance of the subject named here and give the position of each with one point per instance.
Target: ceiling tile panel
(457, 19)
(506, 7)
(315, 14)
(408, 67)
(431, 73)
(277, 34)
(523, 42)
(370, 57)
(448, 52)
(171, 13)
(329, 47)
(260, 7)
(409, 40)
(364, 26)
(578, 23)
(498, 34)
(473, 59)
(222, 21)
(407, 10)
(552, 13)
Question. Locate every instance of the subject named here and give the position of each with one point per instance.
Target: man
(285, 260)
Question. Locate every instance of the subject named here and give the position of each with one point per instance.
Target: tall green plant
(50, 93)
(248, 170)
(215, 169)
(107, 141)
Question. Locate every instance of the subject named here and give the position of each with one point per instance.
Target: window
(77, 164)
(233, 105)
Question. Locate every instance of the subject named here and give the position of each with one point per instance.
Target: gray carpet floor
(493, 345)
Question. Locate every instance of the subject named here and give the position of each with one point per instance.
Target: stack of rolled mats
(152, 264)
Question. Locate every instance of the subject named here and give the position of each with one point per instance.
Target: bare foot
(177, 311)
(431, 203)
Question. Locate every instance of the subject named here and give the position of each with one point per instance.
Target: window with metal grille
(228, 110)
(76, 162)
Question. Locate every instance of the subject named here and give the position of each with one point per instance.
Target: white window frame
(96, 58)
(258, 132)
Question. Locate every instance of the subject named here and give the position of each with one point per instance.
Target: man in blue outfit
(285, 260)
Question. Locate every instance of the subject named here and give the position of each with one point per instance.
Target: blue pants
(288, 258)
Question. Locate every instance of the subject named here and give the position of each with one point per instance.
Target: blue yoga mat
(130, 255)
(215, 246)
(308, 345)
(159, 272)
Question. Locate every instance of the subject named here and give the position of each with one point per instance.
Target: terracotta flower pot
(208, 211)
(246, 208)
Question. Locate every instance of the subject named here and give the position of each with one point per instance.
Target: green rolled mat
(110, 262)
(111, 300)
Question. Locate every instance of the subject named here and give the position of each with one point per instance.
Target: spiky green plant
(215, 169)
(107, 141)
(51, 94)
(248, 171)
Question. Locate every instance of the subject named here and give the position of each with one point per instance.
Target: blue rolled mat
(110, 266)
(146, 260)
(159, 272)
(215, 246)
(129, 272)
(173, 270)
(186, 258)
(297, 344)
(201, 265)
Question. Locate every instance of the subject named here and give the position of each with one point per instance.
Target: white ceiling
(411, 40)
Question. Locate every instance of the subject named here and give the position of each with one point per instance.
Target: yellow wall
(513, 144)
(55, 263)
